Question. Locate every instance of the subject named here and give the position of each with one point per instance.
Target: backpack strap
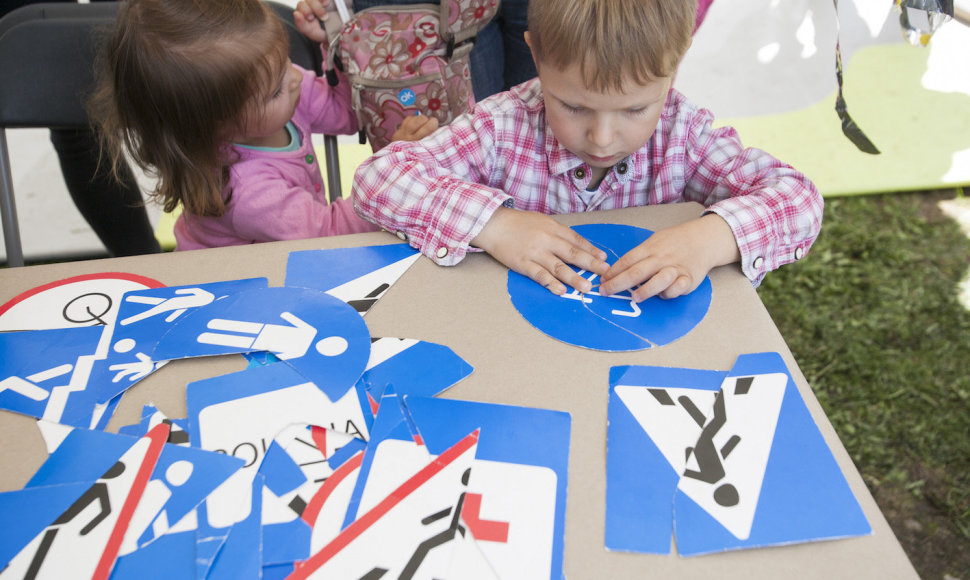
(461, 22)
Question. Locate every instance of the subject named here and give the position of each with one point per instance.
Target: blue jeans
(500, 59)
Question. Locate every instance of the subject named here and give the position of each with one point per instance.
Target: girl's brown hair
(176, 79)
(612, 40)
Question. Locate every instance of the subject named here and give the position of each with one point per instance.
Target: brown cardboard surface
(467, 308)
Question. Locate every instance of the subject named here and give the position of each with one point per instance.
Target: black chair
(43, 83)
(47, 53)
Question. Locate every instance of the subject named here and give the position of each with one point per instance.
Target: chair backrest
(46, 74)
(47, 54)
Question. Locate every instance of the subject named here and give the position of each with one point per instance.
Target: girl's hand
(415, 128)
(309, 16)
(537, 246)
(674, 261)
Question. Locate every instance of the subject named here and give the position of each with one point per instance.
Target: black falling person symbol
(710, 468)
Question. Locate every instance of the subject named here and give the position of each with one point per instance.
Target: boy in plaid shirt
(601, 128)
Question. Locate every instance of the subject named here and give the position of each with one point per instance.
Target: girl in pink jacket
(204, 96)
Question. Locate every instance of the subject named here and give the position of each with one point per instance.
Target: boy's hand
(673, 261)
(415, 128)
(539, 247)
(308, 18)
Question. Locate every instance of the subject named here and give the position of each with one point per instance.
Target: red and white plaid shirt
(439, 193)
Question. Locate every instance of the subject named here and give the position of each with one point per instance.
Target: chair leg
(8, 208)
(332, 160)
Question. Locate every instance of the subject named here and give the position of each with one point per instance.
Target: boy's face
(600, 128)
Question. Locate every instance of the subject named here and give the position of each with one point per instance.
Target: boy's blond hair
(613, 41)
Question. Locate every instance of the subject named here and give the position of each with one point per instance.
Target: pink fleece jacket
(280, 195)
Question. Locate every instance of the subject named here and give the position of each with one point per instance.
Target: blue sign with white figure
(609, 323)
(44, 373)
(144, 316)
(320, 336)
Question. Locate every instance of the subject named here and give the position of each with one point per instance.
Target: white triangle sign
(722, 460)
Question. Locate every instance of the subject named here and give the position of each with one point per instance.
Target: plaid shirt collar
(562, 161)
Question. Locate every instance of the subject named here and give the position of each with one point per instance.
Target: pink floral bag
(401, 61)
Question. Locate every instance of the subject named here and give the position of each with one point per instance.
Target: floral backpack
(409, 60)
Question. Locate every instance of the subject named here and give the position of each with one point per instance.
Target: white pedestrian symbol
(585, 297)
(135, 371)
(177, 305)
(28, 387)
(285, 341)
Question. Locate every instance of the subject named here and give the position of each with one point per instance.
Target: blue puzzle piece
(320, 336)
(609, 323)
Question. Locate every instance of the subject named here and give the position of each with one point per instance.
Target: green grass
(873, 320)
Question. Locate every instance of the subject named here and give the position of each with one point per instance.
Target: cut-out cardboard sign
(144, 316)
(171, 556)
(358, 276)
(519, 476)
(397, 536)
(510, 501)
(320, 336)
(19, 525)
(45, 374)
(240, 414)
(88, 300)
(729, 461)
(296, 465)
(183, 478)
(85, 539)
(413, 367)
(151, 416)
(325, 510)
(609, 323)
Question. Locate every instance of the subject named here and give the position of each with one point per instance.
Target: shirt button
(622, 168)
(442, 252)
(758, 263)
(580, 173)
(309, 159)
(799, 252)
(402, 236)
